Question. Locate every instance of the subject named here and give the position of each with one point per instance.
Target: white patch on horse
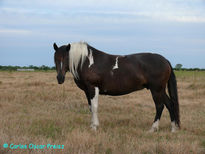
(116, 64)
(155, 126)
(61, 65)
(94, 109)
(174, 127)
(77, 54)
(90, 57)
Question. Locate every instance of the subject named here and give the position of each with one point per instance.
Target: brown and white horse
(96, 72)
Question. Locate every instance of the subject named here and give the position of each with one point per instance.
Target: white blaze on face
(116, 64)
(90, 57)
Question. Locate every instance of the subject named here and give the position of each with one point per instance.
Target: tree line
(47, 68)
(36, 68)
(179, 67)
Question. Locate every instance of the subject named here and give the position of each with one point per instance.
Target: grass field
(35, 109)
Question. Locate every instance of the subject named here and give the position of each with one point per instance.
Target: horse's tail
(173, 94)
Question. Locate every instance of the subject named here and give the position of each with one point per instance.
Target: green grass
(185, 74)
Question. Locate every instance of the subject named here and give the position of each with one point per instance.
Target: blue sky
(173, 28)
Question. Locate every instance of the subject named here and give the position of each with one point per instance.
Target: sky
(172, 28)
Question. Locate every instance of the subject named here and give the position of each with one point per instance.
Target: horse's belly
(121, 81)
(120, 88)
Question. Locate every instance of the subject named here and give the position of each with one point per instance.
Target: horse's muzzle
(60, 78)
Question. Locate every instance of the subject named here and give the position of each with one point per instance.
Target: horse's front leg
(92, 96)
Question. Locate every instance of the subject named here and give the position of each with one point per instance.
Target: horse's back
(148, 60)
(154, 67)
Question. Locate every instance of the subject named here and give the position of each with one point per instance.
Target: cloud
(15, 31)
(174, 26)
(118, 10)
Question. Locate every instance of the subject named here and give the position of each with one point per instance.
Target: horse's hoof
(153, 129)
(174, 127)
(93, 127)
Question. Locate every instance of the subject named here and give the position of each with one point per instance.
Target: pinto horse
(96, 72)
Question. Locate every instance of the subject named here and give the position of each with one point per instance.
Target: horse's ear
(55, 46)
(68, 47)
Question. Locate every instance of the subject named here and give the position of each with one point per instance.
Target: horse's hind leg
(158, 100)
(170, 107)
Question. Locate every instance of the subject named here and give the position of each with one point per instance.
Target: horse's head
(61, 61)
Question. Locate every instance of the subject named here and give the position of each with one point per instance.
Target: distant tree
(53, 68)
(178, 66)
(43, 67)
(31, 66)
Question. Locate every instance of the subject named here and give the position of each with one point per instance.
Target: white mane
(78, 53)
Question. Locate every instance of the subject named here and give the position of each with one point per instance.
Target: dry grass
(35, 109)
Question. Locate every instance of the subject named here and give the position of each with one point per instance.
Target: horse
(96, 72)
